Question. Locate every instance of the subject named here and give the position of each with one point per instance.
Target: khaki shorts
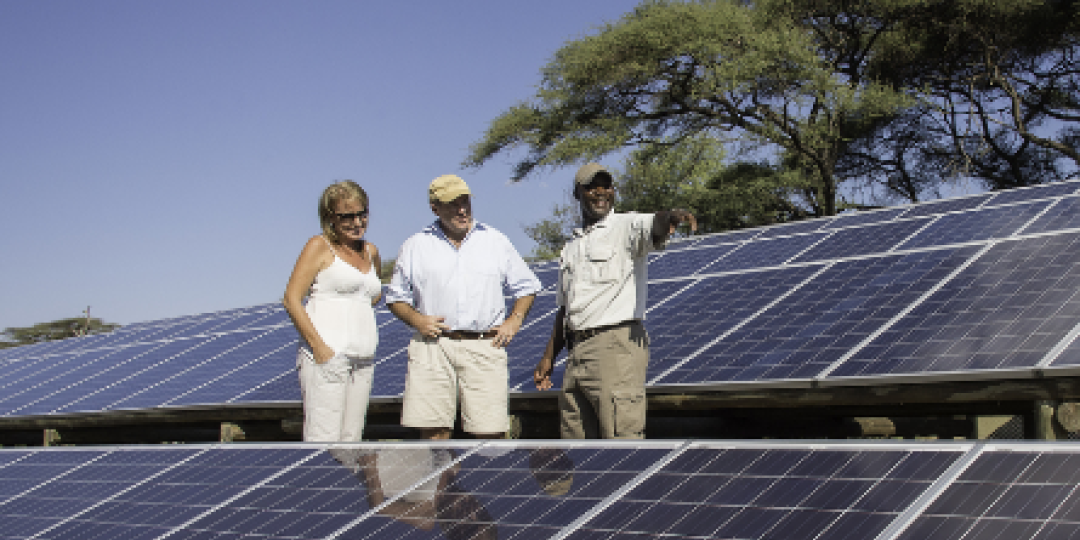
(603, 394)
(443, 371)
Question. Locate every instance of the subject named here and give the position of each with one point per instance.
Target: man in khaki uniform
(601, 297)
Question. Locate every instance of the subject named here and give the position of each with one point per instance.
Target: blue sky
(160, 159)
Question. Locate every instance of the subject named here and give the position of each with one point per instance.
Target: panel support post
(1046, 428)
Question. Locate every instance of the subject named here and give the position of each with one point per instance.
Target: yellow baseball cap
(447, 188)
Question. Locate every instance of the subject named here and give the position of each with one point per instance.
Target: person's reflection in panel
(553, 470)
(388, 473)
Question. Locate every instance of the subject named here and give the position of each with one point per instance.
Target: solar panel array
(550, 490)
(972, 287)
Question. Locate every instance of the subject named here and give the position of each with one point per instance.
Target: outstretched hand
(678, 216)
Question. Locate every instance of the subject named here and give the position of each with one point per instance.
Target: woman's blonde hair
(345, 190)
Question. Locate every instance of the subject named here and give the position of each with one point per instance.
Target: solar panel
(1007, 492)
(803, 333)
(787, 229)
(1008, 309)
(1063, 215)
(944, 206)
(999, 222)
(854, 219)
(856, 241)
(713, 491)
(765, 253)
(686, 262)
(707, 308)
(762, 490)
(1056, 189)
(737, 319)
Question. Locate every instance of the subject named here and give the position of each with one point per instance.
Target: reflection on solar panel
(544, 490)
(971, 287)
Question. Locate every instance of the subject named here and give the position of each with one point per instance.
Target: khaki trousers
(603, 394)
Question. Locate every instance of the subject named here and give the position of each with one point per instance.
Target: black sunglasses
(351, 216)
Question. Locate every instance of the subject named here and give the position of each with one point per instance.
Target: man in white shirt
(448, 285)
(603, 274)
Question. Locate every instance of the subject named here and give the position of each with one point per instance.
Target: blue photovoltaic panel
(852, 219)
(941, 207)
(282, 388)
(179, 494)
(239, 372)
(676, 264)
(862, 240)
(548, 275)
(764, 254)
(527, 493)
(999, 222)
(818, 323)
(20, 477)
(1056, 189)
(391, 359)
(702, 313)
(763, 493)
(1063, 215)
(31, 389)
(798, 227)
(730, 237)
(47, 507)
(1006, 310)
(220, 369)
(135, 377)
(525, 350)
(71, 385)
(1007, 495)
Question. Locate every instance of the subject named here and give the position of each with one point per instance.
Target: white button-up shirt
(603, 271)
(465, 284)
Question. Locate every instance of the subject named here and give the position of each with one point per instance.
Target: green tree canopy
(828, 100)
(53, 330)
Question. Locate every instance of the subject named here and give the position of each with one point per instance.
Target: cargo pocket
(629, 412)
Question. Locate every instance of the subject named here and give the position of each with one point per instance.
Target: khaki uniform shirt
(603, 271)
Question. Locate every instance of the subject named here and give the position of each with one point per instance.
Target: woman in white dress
(339, 272)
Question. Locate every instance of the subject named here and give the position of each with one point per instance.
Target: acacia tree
(668, 72)
(53, 330)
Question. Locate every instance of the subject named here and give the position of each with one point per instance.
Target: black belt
(466, 334)
(577, 336)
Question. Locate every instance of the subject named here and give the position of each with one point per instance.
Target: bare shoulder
(370, 248)
(317, 250)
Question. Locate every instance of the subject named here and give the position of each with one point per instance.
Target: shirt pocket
(602, 261)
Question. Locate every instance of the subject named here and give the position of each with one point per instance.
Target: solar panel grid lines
(945, 205)
(43, 397)
(44, 468)
(860, 218)
(239, 483)
(1054, 353)
(868, 239)
(1009, 491)
(793, 228)
(904, 520)
(621, 492)
(218, 380)
(132, 397)
(966, 226)
(779, 490)
(771, 292)
(1003, 313)
(1045, 209)
(819, 321)
(422, 480)
(81, 496)
(520, 491)
(1055, 190)
(900, 315)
